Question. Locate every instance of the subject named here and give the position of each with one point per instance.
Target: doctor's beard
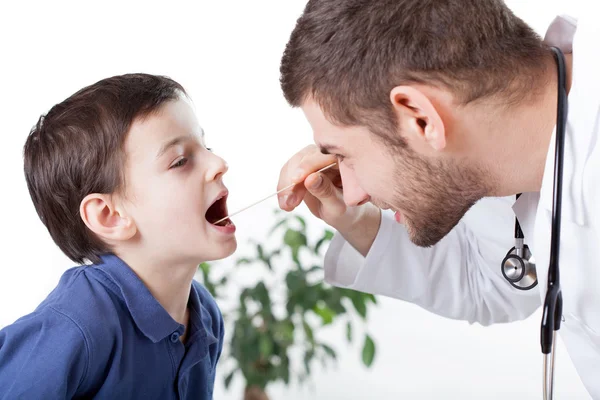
(434, 195)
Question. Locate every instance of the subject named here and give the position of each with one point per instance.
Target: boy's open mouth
(217, 211)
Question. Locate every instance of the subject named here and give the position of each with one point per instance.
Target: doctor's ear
(415, 108)
(103, 216)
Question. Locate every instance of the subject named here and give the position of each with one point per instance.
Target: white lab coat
(461, 278)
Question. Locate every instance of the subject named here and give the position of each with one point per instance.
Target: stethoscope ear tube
(518, 267)
(552, 311)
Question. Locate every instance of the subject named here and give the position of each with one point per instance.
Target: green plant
(283, 315)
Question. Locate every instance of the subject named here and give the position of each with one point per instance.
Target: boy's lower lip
(227, 229)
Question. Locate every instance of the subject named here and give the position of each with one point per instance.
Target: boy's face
(171, 182)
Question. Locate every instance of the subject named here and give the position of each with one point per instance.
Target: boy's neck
(169, 284)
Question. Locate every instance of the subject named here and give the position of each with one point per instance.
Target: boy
(120, 176)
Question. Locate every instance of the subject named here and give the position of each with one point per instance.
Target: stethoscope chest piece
(518, 267)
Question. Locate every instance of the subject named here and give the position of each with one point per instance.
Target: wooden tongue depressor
(269, 196)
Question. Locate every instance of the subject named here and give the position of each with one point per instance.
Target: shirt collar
(148, 314)
(560, 33)
(201, 322)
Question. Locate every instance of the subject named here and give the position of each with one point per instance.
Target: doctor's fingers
(285, 179)
(323, 185)
(296, 170)
(323, 191)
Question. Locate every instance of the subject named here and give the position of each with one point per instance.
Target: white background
(226, 54)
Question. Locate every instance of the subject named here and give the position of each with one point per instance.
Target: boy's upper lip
(222, 193)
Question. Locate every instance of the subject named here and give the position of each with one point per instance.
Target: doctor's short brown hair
(347, 55)
(76, 149)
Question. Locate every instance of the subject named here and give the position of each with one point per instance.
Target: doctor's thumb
(320, 186)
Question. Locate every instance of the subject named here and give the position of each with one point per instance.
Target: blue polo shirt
(101, 334)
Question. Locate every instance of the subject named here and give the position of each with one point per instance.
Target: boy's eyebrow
(173, 142)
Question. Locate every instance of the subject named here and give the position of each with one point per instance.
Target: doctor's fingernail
(290, 200)
(316, 182)
(282, 201)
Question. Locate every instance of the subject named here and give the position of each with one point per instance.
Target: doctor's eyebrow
(328, 148)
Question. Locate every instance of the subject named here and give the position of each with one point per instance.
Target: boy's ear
(105, 218)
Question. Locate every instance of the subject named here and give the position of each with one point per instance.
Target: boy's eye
(340, 157)
(179, 163)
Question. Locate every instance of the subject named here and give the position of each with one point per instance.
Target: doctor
(429, 107)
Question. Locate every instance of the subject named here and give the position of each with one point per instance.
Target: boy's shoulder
(63, 339)
(61, 307)
(81, 298)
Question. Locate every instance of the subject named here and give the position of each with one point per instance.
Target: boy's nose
(218, 167)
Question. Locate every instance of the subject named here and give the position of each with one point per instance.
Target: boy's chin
(222, 250)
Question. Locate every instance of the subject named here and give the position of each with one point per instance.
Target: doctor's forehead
(339, 139)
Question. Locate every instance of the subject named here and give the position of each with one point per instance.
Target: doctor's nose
(216, 169)
(354, 195)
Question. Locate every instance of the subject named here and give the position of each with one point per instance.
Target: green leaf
(277, 225)
(261, 294)
(268, 263)
(285, 373)
(325, 313)
(295, 281)
(294, 238)
(359, 305)
(211, 289)
(371, 297)
(314, 268)
(205, 267)
(275, 253)
(228, 379)
(333, 299)
(329, 351)
(308, 332)
(368, 351)
(283, 332)
(265, 346)
(349, 332)
(243, 261)
(327, 236)
(302, 221)
(309, 297)
(260, 251)
(295, 251)
(308, 356)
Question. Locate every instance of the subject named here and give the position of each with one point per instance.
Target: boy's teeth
(224, 223)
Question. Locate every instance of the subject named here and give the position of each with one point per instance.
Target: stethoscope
(518, 267)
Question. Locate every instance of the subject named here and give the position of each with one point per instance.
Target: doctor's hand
(322, 192)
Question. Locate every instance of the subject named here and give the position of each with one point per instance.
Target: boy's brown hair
(77, 149)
